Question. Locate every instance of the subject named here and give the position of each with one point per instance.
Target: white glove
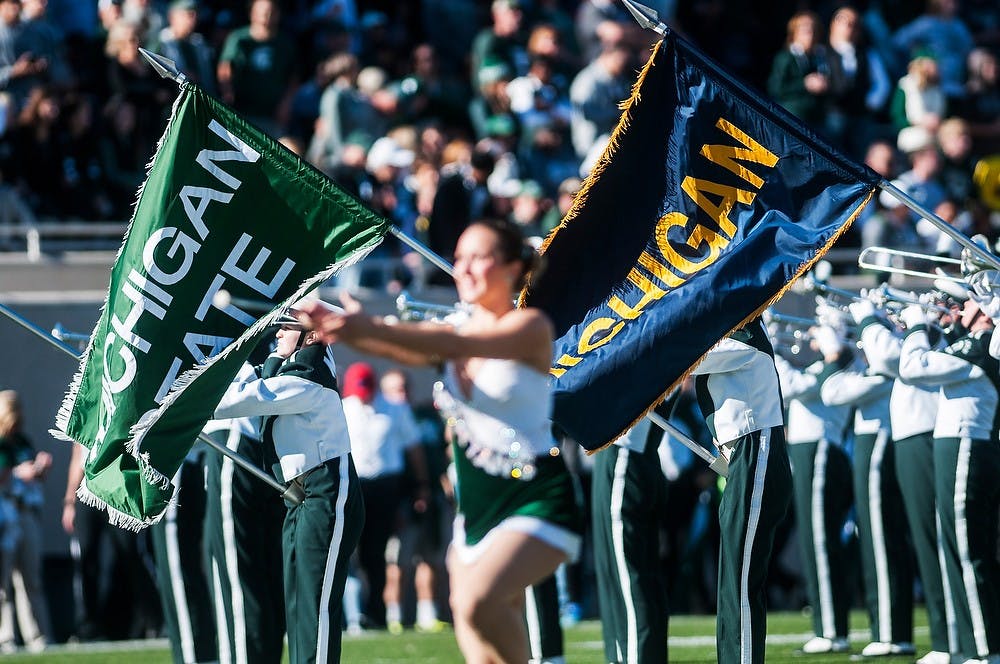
(827, 314)
(828, 342)
(991, 307)
(861, 309)
(985, 284)
(913, 315)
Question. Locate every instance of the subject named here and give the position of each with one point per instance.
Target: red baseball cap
(359, 381)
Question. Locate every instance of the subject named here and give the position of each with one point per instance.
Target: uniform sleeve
(727, 355)
(920, 365)
(882, 349)
(795, 384)
(279, 395)
(849, 387)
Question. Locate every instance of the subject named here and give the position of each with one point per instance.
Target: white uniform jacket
(869, 393)
(809, 419)
(912, 408)
(967, 377)
(306, 417)
(737, 385)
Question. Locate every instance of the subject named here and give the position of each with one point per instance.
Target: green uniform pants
(541, 613)
(628, 497)
(885, 555)
(914, 457)
(181, 572)
(968, 495)
(243, 541)
(754, 503)
(821, 477)
(318, 538)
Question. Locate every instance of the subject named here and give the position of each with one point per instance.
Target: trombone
(409, 309)
(868, 258)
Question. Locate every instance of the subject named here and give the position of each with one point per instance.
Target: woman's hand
(332, 326)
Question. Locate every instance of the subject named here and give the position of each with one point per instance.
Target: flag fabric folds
(708, 202)
(223, 208)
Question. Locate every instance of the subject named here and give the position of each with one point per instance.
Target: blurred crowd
(438, 112)
(441, 111)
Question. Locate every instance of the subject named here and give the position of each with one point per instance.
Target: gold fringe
(802, 269)
(602, 163)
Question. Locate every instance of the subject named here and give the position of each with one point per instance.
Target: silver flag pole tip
(645, 16)
(164, 66)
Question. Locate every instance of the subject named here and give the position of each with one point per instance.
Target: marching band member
(243, 538)
(628, 496)
(912, 412)
(305, 428)
(878, 504)
(966, 465)
(821, 474)
(740, 398)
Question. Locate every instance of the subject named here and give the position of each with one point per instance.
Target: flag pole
(292, 492)
(648, 18)
(942, 225)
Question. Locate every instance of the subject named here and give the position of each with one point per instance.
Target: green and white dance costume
(628, 499)
(306, 427)
(511, 476)
(912, 413)
(738, 392)
(966, 467)
(821, 480)
(885, 557)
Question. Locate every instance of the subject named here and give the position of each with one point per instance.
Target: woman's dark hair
(513, 247)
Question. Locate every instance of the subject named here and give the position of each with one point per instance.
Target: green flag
(224, 207)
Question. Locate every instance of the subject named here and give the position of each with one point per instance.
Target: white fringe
(115, 517)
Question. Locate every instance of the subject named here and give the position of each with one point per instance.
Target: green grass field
(692, 639)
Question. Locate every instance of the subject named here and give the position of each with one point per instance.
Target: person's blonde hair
(10, 413)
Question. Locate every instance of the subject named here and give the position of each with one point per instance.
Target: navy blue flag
(707, 204)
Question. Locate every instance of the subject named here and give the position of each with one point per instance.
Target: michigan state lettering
(678, 250)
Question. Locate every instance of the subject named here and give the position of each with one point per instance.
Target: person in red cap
(383, 436)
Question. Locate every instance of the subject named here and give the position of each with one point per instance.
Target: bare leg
(424, 581)
(488, 596)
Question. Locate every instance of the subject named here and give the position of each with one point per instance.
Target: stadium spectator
(343, 110)
(940, 34)
(919, 99)
(595, 94)
(22, 471)
(46, 42)
(189, 49)
(859, 83)
(504, 43)
(257, 69)
(800, 73)
(982, 101)
(21, 67)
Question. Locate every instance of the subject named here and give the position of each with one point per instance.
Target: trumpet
(868, 258)
(810, 284)
(409, 309)
(884, 294)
